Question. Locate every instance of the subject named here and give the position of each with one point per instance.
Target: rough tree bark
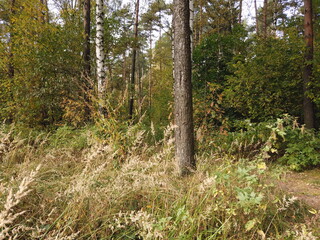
(86, 56)
(101, 75)
(133, 67)
(184, 135)
(308, 107)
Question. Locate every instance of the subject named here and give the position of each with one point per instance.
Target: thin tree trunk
(86, 48)
(86, 55)
(184, 136)
(308, 107)
(11, 69)
(201, 18)
(139, 74)
(10, 64)
(191, 6)
(45, 13)
(100, 57)
(240, 12)
(133, 67)
(257, 19)
(160, 19)
(150, 72)
(124, 73)
(265, 12)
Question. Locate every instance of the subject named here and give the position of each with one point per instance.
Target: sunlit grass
(120, 187)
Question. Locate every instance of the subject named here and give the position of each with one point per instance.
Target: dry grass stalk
(7, 215)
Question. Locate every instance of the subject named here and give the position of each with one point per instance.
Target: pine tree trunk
(133, 67)
(184, 136)
(101, 79)
(308, 107)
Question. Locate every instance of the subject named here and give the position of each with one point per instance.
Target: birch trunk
(184, 136)
(101, 79)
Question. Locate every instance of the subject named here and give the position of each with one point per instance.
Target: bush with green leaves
(267, 82)
(283, 140)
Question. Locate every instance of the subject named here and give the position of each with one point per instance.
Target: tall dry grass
(121, 187)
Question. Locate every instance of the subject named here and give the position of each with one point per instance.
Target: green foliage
(46, 60)
(302, 150)
(161, 83)
(68, 137)
(295, 146)
(268, 81)
(211, 58)
(283, 140)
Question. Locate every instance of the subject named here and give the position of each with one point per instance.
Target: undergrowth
(284, 141)
(109, 182)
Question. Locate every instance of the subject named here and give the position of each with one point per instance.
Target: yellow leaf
(262, 166)
(313, 211)
(262, 234)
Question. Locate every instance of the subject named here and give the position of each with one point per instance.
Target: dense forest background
(87, 111)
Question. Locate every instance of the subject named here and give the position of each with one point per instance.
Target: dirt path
(305, 186)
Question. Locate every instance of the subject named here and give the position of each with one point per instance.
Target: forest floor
(303, 185)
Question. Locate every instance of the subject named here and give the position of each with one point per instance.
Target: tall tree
(86, 46)
(308, 108)
(133, 67)
(101, 75)
(240, 11)
(265, 13)
(86, 53)
(45, 11)
(184, 136)
(257, 19)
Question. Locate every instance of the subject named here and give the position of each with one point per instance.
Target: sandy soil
(305, 186)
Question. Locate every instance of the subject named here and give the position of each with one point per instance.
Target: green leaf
(250, 224)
